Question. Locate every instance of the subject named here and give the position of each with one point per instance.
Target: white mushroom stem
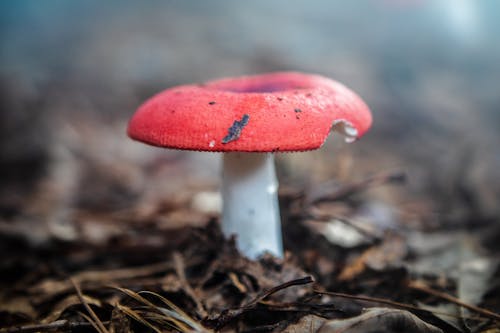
(250, 203)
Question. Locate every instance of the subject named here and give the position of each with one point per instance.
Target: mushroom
(248, 119)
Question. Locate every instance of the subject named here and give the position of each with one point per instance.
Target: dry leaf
(389, 253)
(309, 323)
(67, 302)
(380, 320)
(20, 305)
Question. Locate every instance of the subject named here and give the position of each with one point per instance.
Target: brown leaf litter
(191, 279)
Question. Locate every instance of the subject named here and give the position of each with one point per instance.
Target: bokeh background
(73, 72)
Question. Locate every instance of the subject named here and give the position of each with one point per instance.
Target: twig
(53, 287)
(180, 270)
(229, 314)
(487, 313)
(389, 302)
(53, 326)
(263, 328)
(362, 185)
(269, 292)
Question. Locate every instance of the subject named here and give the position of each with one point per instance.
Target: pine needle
(172, 316)
(134, 315)
(95, 318)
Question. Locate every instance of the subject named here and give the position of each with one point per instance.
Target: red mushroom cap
(285, 111)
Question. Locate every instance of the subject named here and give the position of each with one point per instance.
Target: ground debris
(154, 273)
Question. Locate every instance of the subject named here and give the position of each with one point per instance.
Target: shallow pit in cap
(278, 84)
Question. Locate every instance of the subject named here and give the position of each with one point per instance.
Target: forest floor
(164, 266)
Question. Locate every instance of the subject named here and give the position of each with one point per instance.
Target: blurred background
(73, 72)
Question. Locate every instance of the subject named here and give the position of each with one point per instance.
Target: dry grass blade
(65, 303)
(96, 320)
(56, 286)
(180, 269)
(134, 315)
(92, 322)
(164, 319)
(176, 311)
(174, 317)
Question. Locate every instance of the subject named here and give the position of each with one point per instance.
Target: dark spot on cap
(297, 110)
(308, 95)
(234, 132)
(279, 98)
(211, 103)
